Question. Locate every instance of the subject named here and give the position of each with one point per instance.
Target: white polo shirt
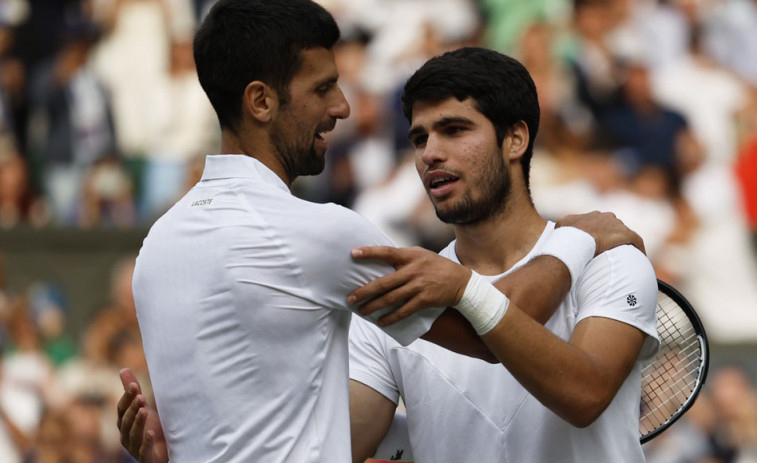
(241, 297)
(461, 409)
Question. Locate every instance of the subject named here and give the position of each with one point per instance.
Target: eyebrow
(443, 122)
(329, 80)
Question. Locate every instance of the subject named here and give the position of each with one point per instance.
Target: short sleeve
(620, 284)
(334, 274)
(369, 363)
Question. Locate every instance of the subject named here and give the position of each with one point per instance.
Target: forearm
(537, 288)
(557, 374)
(453, 332)
(576, 379)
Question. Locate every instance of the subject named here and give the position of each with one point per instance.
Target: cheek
(473, 156)
(419, 165)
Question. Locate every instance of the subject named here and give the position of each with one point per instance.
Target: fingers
(131, 389)
(606, 228)
(128, 422)
(638, 243)
(376, 288)
(385, 253)
(128, 377)
(407, 309)
(137, 431)
(388, 299)
(145, 450)
(130, 392)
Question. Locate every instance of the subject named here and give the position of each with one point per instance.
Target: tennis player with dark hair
(570, 392)
(241, 288)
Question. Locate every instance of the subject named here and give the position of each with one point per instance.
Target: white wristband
(574, 247)
(482, 304)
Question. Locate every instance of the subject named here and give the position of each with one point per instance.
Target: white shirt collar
(219, 166)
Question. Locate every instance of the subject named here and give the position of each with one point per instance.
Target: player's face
(315, 103)
(459, 161)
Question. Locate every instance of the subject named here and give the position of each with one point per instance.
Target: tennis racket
(670, 384)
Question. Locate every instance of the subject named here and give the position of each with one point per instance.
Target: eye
(453, 129)
(419, 140)
(324, 89)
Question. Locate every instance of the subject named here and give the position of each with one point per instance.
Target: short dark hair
(241, 41)
(500, 86)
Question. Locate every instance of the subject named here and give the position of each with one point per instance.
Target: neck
(495, 245)
(252, 146)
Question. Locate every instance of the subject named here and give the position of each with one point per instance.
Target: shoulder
(623, 263)
(622, 277)
(621, 284)
(337, 225)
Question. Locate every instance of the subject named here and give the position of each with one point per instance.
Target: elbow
(585, 412)
(483, 353)
(582, 420)
(490, 358)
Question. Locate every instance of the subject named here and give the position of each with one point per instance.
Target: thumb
(128, 377)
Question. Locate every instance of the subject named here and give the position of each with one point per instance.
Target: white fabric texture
(241, 293)
(464, 409)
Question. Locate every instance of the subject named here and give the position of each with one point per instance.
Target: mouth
(320, 135)
(439, 184)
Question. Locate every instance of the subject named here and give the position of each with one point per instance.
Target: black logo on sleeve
(202, 202)
(631, 299)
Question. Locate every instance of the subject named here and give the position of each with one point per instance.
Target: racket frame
(696, 323)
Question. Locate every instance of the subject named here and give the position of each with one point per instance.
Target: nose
(340, 109)
(432, 152)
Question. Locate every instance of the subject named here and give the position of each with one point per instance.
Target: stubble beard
(297, 157)
(496, 186)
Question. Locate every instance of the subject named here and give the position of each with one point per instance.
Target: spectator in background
(107, 195)
(746, 173)
(49, 310)
(509, 20)
(92, 373)
(27, 381)
(187, 128)
(51, 441)
(735, 399)
(15, 196)
(590, 58)
(555, 85)
(718, 268)
(14, 440)
(658, 29)
(39, 28)
(132, 59)
(691, 439)
(654, 134)
(731, 27)
(71, 124)
(12, 87)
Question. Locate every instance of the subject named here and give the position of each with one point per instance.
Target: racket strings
(669, 381)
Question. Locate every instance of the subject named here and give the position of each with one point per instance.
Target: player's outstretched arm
(575, 379)
(141, 432)
(424, 279)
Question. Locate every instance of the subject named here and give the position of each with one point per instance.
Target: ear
(516, 141)
(260, 101)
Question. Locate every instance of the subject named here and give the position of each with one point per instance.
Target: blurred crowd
(58, 394)
(649, 110)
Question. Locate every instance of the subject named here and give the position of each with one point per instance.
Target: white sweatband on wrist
(482, 304)
(574, 247)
